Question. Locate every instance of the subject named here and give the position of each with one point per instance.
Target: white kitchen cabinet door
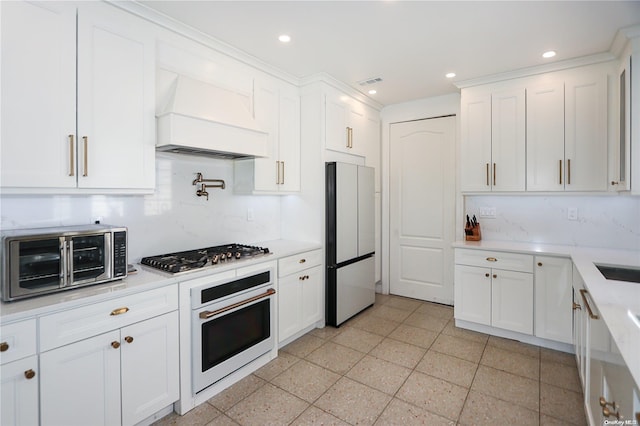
(19, 392)
(553, 298)
(289, 306)
(336, 119)
(508, 147)
(472, 294)
(475, 150)
(38, 94)
(312, 296)
(372, 155)
(289, 140)
(545, 137)
(116, 99)
(586, 132)
(512, 301)
(80, 383)
(150, 367)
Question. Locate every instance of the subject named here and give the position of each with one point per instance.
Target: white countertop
(616, 301)
(145, 278)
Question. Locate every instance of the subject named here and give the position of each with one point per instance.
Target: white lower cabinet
(119, 377)
(300, 293)
(494, 289)
(19, 392)
(553, 298)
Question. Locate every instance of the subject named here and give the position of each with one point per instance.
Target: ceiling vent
(370, 81)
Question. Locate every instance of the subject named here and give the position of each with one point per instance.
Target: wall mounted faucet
(201, 185)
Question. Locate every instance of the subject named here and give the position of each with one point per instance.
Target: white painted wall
(171, 219)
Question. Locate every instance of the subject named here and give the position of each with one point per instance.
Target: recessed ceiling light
(284, 38)
(450, 74)
(373, 92)
(549, 54)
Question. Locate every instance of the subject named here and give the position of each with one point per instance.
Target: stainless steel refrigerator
(350, 249)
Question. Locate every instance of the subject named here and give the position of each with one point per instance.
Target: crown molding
(323, 77)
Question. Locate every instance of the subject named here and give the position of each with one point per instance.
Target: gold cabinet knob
(29, 374)
(128, 339)
(302, 260)
(115, 345)
(539, 263)
(4, 346)
(576, 306)
(613, 182)
(487, 275)
(495, 275)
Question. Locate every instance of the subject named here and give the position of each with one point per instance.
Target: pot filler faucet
(201, 185)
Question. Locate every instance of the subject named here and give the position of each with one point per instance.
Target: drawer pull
(115, 345)
(576, 306)
(302, 260)
(539, 263)
(608, 413)
(491, 259)
(119, 311)
(303, 277)
(29, 374)
(4, 346)
(128, 339)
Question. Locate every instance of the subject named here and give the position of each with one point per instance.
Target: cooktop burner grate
(194, 259)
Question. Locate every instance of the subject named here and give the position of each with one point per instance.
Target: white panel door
(150, 367)
(80, 383)
(512, 301)
(116, 99)
(346, 211)
(355, 288)
(545, 138)
(508, 141)
(366, 211)
(19, 394)
(553, 299)
(38, 94)
(422, 209)
(289, 307)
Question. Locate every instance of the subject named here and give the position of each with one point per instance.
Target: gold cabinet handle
(491, 259)
(568, 172)
(584, 300)
(576, 306)
(607, 412)
(349, 137)
(85, 171)
(494, 174)
(539, 263)
(613, 182)
(128, 339)
(210, 314)
(277, 173)
(302, 260)
(29, 374)
(72, 156)
(282, 163)
(119, 311)
(4, 346)
(560, 171)
(115, 345)
(303, 277)
(487, 168)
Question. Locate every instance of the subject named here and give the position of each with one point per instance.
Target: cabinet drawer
(298, 262)
(18, 340)
(76, 324)
(495, 260)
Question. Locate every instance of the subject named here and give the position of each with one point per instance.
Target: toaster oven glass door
(37, 265)
(90, 257)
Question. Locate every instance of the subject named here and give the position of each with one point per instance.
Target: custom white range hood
(202, 119)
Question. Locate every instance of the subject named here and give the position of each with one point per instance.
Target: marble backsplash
(171, 219)
(608, 221)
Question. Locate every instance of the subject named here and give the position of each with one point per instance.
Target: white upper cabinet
(545, 137)
(277, 110)
(111, 145)
(493, 141)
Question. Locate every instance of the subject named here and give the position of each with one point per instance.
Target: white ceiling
(411, 45)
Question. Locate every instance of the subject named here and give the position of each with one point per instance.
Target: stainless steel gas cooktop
(195, 259)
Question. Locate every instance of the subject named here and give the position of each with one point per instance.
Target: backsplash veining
(171, 219)
(603, 221)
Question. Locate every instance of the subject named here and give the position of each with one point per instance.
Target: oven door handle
(209, 314)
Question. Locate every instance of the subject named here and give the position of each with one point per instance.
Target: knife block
(472, 233)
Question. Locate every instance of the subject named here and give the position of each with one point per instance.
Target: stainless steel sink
(620, 273)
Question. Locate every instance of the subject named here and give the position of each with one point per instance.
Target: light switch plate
(488, 212)
(572, 213)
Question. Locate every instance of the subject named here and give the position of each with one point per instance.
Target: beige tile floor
(401, 362)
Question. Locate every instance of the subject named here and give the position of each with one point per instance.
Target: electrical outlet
(572, 213)
(249, 215)
(488, 212)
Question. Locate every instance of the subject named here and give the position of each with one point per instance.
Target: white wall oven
(233, 323)
(47, 260)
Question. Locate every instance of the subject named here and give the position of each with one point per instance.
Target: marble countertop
(144, 279)
(616, 301)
